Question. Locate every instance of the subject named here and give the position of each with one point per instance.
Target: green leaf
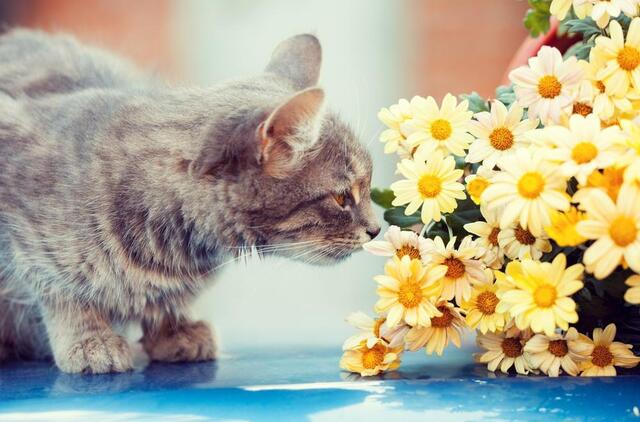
(382, 197)
(505, 95)
(395, 216)
(537, 18)
(587, 27)
(476, 102)
(580, 50)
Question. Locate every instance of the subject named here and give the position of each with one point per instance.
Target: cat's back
(34, 64)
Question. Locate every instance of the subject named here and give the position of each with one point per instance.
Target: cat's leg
(168, 338)
(82, 340)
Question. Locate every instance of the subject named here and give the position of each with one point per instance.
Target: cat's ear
(290, 131)
(297, 59)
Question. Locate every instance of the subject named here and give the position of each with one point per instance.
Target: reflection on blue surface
(308, 386)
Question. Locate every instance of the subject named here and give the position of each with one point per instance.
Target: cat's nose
(373, 231)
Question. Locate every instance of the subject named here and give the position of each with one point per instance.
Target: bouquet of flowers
(518, 217)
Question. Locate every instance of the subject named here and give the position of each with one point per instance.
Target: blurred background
(375, 51)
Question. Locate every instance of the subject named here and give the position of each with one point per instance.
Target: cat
(120, 196)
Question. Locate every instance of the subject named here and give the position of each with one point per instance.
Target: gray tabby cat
(119, 197)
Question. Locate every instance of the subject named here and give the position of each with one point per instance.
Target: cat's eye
(340, 198)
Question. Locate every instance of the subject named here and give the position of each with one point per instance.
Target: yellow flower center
(410, 294)
(558, 348)
(476, 186)
(545, 296)
(584, 152)
(601, 356)
(524, 236)
(493, 236)
(549, 86)
(455, 268)
(511, 347)
(629, 58)
(441, 129)
(531, 185)
(487, 302)
(408, 250)
(376, 326)
(582, 109)
(623, 230)
(373, 357)
(444, 320)
(429, 186)
(501, 138)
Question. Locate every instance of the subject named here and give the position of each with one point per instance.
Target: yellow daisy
(441, 129)
(504, 350)
(563, 227)
(408, 291)
(608, 180)
(547, 85)
(584, 146)
(459, 267)
(369, 361)
(478, 182)
(616, 226)
(605, 354)
(441, 329)
(540, 299)
(480, 309)
(621, 58)
(518, 243)
(631, 158)
(400, 243)
(393, 117)
(594, 97)
(550, 354)
(603, 10)
(488, 232)
(431, 183)
(373, 330)
(498, 133)
(633, 292)
(560, 8)
(529, 187)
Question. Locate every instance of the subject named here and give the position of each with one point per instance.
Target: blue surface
(307, 385)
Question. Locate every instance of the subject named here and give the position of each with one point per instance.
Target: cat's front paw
(188, 342)
(96, 353)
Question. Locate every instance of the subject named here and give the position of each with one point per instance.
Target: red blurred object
(530, 47)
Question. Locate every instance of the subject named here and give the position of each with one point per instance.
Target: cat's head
(292, 177)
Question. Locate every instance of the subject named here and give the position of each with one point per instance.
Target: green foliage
(505, 94)
(382, 197)
(395, 216)
(580, 50)
(476, 102)
(537, 18)
(587, 27)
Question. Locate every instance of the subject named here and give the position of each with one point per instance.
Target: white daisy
(400, 243)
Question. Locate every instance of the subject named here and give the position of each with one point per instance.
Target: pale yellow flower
(547, 85)
(563, 227)
(518, 243)
(560, 8)
(439, 332)
(605, 354)
(373, 331)
(541, 297)
(400, 243)
(584, 146)
(608, 180)
(431, 183)
(459, 267)
(394, 117)
(557, 352)
(443, 129)
(529, 187)
(593, 96)
(603, 10)
(616, 228)
(621, 58)
(633, 292)
(369, 361)
(498, 133)
(408, 291)
(631, 157)
(480, 310)
(488, 232)
(503, 350)
(478, 182)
